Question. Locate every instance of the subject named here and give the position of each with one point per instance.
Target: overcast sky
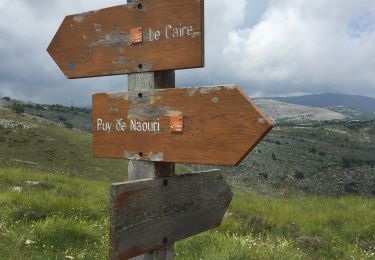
(269, 47)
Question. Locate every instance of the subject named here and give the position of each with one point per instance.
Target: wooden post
(141, 169)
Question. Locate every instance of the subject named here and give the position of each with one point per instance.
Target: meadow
(47, 216)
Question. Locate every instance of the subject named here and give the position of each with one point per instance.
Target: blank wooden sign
(206, 125)
(150, 214)
(147, 35)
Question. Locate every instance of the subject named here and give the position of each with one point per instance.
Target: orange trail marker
(203, 125)
(149, 35)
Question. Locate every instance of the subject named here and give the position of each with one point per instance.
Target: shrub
(18, 108)
(298, 174)
(274, 157)
(322, 154)
(312, 150)
(68, 125)
(39, 107)
(347, 162)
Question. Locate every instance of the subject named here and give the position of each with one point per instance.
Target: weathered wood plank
(220, 125)
(99, 43)
(150, 214)
(143, 169)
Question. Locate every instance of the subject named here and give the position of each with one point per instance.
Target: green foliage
(350, 162)
(298, 174)
(68, 125)
(312, 150)
(39, 107)
(17, 108)
(321, 153)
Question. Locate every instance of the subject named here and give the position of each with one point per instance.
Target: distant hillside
(74, 117)
(281, 112)
(334, 158)
(361, 103)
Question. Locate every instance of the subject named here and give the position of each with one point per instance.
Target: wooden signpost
(147, 35)
(155, 127)
(206, 125)
(151, 214)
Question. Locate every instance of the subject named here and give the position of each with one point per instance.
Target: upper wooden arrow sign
(205, 125)
(148, 35)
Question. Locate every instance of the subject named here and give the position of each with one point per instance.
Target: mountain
(281, 112)
(360, 103)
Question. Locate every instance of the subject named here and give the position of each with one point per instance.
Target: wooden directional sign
(148, 35)
(206, 125)
(150, 214)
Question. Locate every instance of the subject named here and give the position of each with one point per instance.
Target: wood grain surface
(149, 170)
(220, 125)
(150, 214)
(100, 43)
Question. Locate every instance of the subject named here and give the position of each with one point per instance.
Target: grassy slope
(42, 145)
(67, 216)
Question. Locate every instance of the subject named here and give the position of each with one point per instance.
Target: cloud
(307, 46)
(270, 47)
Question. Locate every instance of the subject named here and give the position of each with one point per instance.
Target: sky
(268, 47)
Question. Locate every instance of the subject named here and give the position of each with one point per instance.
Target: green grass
(64, 216)
(68, 216)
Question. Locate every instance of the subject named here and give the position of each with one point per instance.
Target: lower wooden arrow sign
(150, 214)
(205, 125)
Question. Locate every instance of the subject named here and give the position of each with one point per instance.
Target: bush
(274, 157)
(39, 107)
(322, 154)
(6, 98)
(312, 150)
(18, 108)
(298, 174)
(347, 162)
(68, 125)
